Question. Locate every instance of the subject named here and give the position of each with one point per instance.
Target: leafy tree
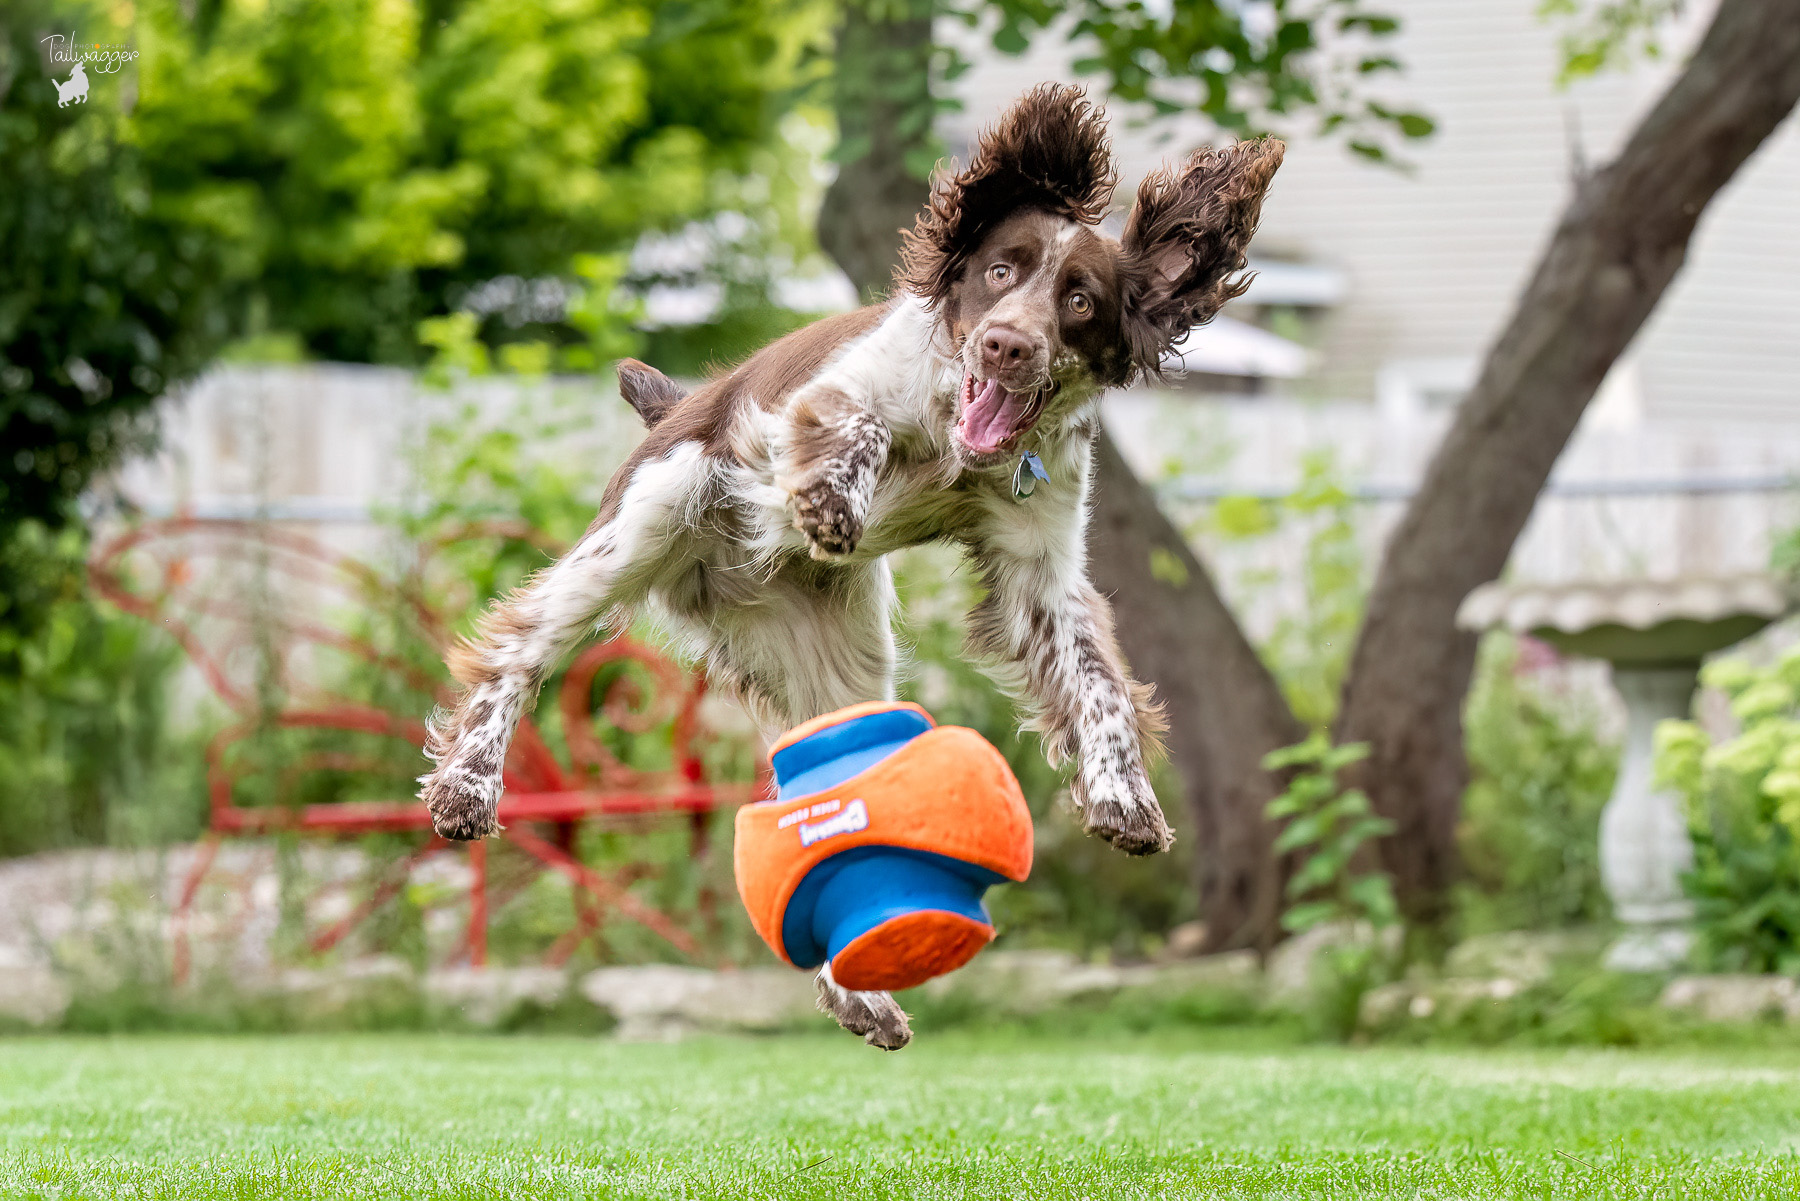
(321, 175)
(101, 305)
(1619, 244)
(368, 163)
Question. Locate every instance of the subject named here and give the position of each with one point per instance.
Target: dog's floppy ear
(1185, 241)
(647, 390)
(1049, 151)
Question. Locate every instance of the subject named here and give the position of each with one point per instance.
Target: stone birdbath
(1653, 633)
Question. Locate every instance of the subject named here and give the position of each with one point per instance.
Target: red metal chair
(156, 570)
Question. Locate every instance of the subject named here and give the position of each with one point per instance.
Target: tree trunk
(882, 97)
(1620, 242)
(1225, 709)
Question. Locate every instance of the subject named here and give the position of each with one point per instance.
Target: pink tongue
(992, 416)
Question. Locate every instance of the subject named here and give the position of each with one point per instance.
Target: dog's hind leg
(851, 659)
(874, 1015)
(813, 639)
(522, 638)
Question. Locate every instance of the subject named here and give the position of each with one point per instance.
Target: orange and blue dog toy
(885, 832)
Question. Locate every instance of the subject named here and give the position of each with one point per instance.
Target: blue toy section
(834, 754)
(851, 893)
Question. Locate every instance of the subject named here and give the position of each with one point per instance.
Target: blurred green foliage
(1319, 600)
(1329, 829)
(102, 304)
(1743, 804)
(1784, 556)
(87, 748)
(1601, 35)
(366, 163)
(316, 177)
(1249, 69)
(1310, 647)
(1540, 773)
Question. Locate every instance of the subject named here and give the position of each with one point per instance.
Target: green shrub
(1308, 645)
(1743, 806)
(1539, 775)
(88, 748)
(1328, 829)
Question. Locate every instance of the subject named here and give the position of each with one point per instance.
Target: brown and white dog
(755, 518)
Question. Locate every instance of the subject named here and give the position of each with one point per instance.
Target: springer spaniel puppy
(756, 517)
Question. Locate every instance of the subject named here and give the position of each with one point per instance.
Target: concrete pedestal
(1654, 633)
(1644, 844)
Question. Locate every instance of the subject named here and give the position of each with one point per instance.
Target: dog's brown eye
(1079, 304)
(1000, 273)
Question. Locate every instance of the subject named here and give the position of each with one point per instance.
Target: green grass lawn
(957, 1115)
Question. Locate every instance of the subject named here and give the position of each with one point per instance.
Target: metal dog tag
(1027, 474)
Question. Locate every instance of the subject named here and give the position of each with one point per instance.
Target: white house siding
(1436, 256)
(1649, 530)
(324, 448)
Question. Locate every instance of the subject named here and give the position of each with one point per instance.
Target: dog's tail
(648, 390)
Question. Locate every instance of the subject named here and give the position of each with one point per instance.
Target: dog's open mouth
(994, 418)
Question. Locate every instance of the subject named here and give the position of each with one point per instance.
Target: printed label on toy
(805, 811)
(854, 817)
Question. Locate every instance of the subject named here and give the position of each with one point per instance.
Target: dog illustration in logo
(75, 89)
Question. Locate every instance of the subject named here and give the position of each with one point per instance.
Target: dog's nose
(1004, 347)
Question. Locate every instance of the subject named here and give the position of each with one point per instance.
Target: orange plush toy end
(885, 832)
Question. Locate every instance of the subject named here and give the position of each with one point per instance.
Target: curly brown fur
(1050, 151)
(1185, 242)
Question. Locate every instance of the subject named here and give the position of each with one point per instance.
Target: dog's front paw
(1121, 808)
(828, 519)
(462, 804)
(874, 1015)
